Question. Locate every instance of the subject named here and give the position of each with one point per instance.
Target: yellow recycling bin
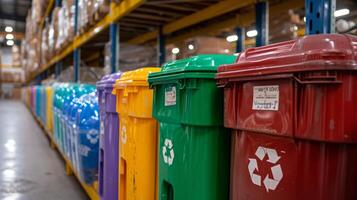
(138, 136)
(49, 114)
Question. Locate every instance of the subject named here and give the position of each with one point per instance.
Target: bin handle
(182, 84)
(327, 79)
(318, 80)
(127, 91)
(224, 85)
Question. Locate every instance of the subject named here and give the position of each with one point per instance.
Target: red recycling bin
(293, 110)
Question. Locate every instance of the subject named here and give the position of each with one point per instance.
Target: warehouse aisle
(29, 169)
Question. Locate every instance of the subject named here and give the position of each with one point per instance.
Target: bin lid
(72, 93)
(200, 63)
(75, 92)
(88, 112)
(309, 53)
(59, 90)
(100, 83)
(85, 89)
(108, 80)
(136, 77)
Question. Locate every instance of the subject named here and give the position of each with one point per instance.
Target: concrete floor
(29, 168)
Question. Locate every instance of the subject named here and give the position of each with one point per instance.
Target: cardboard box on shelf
(205, 45)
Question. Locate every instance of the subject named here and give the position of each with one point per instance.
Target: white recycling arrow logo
(273, 158)
(168, 147)
(93, 136)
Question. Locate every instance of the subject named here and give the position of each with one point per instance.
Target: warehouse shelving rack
(179, 22)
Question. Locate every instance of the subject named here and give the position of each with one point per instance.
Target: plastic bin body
(57, 98)
(49, 112)
(77, 91)
(68, 97)
(194, 148)
(38, 101)
(72, 117)
(87, 138)
(43, 106)
(138, 136)
(101, 102)
(109, 139)
(65, 91)
(293, 119)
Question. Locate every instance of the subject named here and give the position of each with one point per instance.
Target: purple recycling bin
(109, 138)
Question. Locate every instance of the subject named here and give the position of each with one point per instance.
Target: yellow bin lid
(137, 77)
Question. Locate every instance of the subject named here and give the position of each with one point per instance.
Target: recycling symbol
(276, 171)
(168, 152)
(93, 136)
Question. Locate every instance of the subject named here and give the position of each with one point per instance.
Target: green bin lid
(206, 63)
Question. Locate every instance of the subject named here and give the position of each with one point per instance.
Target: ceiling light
(252, 33)
(342, 12)
(232, 38)
(175, 50)
(9, 36)
(191, 47)
(10, 42)
(8, 29)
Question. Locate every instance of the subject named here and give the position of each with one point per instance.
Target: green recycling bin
(194, 148)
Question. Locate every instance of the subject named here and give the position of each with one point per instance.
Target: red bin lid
(309, 53)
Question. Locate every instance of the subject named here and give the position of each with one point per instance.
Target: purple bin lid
(108, 80)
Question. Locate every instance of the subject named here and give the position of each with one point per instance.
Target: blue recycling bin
(43, 105)
(69, 113)
(68, 97)
(38, 101)
(87, 135)
(72, 114)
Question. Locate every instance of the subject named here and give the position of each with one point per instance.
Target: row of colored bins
(131, 99)
(279, 101)
(76, 127)
(39, 100)
(260, 97)
(190, 159)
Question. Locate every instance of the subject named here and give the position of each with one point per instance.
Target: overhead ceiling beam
(148, 17)
(242, 20)
(160, 12)
(171, 6)
(210, 12)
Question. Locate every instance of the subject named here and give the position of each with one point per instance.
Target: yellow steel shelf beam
(200, 16)
(242, 20)
(49, 7)
(117, 11)
(90, 190)
(17, 35)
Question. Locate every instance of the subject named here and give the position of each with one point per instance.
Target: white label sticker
(170, 96)
(266, 97)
